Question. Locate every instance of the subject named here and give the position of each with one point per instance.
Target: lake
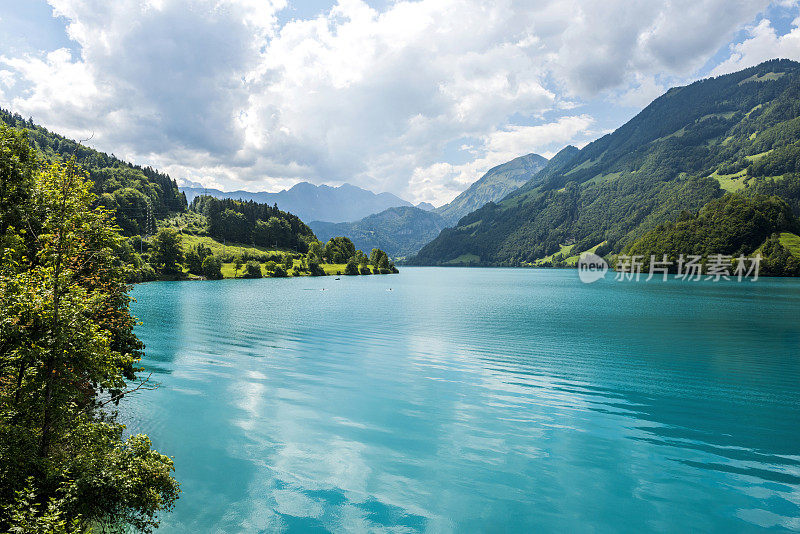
(474, 400)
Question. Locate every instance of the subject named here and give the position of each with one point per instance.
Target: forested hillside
(216, 238)
(739, 132)
(136, 195)
(733, 225)
(251, 222)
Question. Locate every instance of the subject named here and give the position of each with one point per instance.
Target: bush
(364, 269)
(351, 268)
(194, 258)
(252, 269)
(142, 273)
(279, 272)
(212, 268)
(315, 269)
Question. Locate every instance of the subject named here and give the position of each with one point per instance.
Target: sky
(417, 98)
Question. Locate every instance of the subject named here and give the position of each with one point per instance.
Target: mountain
(494, 185)
(734, 133)
(399, 231)
(136, 195)
(313, 202)
(403, 231)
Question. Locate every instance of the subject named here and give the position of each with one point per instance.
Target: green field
(792, 243)
(572, 261)
(465, 259)
(220, 249)
(564, 252)
(731, 182)
(236, 249)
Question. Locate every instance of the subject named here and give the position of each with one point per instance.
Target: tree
(315, 253)
(339, 250)
(68, 352)
(212, 268)
(17, 160)
(361, 258)
(315, 269)
(252, 269)
(376, 255)
(288, 262)
(167, 254)
(352, 267)
(237, 264)
(195, 256)
(234, 226)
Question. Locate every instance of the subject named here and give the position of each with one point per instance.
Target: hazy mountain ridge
(498, 182)
(400, 231)
(313, 202)
(737, 132)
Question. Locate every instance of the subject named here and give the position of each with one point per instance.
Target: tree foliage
(732, 225)
(250, 222)
(68, 355)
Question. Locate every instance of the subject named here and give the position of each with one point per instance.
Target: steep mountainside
(399, 231)
(738, 132)
(494, 185)
(314, 202)
(137, 195)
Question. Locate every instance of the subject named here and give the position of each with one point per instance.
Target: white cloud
(439, 180)
(763, 43)
(217, 91)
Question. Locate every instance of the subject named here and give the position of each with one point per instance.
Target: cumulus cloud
(219, 91)
(440, 179)
(762, 43)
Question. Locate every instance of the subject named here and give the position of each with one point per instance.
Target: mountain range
(312, 202)
(735, 134)
(402, 232)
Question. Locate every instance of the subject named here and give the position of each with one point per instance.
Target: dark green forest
(733, 225)
(250, 222)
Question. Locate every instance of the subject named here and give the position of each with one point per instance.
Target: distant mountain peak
(342, 203)
(496, 184)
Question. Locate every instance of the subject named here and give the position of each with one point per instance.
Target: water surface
(467, 400)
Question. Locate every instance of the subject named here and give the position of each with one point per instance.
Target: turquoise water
(473, 400)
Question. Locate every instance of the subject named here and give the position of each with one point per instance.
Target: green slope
(739, 132)
(733, 225)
